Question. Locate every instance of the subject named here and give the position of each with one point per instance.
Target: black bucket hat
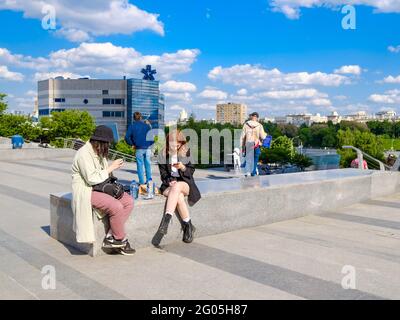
(255, 114)
(103, 133)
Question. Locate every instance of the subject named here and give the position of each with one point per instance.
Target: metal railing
(76, 144)
(373, 162)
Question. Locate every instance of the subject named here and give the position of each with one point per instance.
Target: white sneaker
(247, 174)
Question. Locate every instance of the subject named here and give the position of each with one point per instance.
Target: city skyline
(276, 59)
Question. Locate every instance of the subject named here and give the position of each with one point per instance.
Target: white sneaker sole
(113, 246)
(126, 254)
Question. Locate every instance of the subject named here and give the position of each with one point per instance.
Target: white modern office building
(105, 100)
(111, 102)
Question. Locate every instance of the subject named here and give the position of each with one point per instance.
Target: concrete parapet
(34, 153)
(250, 202)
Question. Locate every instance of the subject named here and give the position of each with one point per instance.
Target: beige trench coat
(88, 169)
(253, 131)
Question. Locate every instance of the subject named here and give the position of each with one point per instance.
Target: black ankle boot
(162, 230)
(188, 231)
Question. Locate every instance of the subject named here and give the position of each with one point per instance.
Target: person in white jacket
(89, 168)
(251, 140)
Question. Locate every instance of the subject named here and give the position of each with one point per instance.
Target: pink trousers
(118, 211)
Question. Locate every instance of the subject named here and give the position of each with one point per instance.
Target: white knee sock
(186, 219)
(169, 213)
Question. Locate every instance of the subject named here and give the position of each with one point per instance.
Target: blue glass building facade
(144, 96)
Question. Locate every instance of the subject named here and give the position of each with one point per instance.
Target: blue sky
(276, 56)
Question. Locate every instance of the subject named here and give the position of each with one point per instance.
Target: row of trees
(66, 124)
(385, 128)
(282, 149)
(365, 136)
(80, 124)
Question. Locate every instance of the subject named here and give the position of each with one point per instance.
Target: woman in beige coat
(90, 167)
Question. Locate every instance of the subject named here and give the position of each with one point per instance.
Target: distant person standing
(355, 162)
(251, 140)
(136, 137)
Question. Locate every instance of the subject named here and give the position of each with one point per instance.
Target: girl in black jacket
(176, 171)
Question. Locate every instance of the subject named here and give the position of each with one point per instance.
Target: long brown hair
(176, 136)
(100, 147)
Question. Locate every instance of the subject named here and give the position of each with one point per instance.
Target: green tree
(365, 141)
(381, 127)
(289, 130)
(277, 155)
(272, 129)
(282, 151)
(3, 103)
(301, 161)
(396, 129)
(284, 143)
(353, 125)
(68, 124)
(30, 130)
(329, 139)
(305, 136)
(10, 124)
(122, 146)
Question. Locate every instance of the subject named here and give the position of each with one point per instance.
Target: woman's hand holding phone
(179, 166)
(115, 165)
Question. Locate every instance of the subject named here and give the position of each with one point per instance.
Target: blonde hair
(176, 136)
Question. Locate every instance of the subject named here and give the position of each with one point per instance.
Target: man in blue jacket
(136, 136)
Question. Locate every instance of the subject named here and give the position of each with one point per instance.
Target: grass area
(387, 143)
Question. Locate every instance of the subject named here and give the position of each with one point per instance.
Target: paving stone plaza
(346, 253)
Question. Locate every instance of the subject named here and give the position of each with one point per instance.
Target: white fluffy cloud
(242, 92)
(9, 75)
(392, 79)
(294, 94)
(204, 106)
(178, 97)
(47, 75)
(309, 96)
(351, 69)
(79, 19)
(320, 102)
(176, 107)
(103, 59)
(177, 86)
(20, 61)
(74, 35)
(394, 49)
(22, 102)
(389, 97)
(291, 8)
(213, 94)
(256, 77)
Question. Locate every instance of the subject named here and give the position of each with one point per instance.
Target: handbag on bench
(111, 187)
